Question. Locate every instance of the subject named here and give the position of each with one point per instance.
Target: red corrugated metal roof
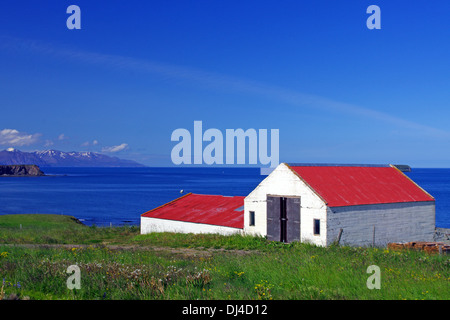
(352, 185)
(200, 208)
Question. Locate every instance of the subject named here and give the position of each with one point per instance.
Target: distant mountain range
(54, 158)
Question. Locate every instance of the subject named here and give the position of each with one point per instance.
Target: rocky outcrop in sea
(21, 170)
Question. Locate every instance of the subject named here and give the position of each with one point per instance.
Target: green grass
(187, 266)
(57, 229)
(38, 221)
(177, 240)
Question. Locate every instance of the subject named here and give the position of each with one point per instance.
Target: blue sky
(136, 71)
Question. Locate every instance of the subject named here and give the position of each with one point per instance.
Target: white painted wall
(149, 225)
(283, 182)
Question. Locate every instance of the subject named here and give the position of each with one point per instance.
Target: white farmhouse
(356, 205)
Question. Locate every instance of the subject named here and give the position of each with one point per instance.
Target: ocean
(118, 196)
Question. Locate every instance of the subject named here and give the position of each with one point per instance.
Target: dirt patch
(186, 252)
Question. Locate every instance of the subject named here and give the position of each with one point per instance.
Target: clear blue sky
(137, 70)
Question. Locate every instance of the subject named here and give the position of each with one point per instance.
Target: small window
(251, 218)
(316, 227)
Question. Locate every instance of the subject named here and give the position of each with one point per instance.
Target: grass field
(119, 263)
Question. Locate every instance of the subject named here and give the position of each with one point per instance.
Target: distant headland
(21, 170)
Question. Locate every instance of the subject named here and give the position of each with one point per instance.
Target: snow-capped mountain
(55, 158)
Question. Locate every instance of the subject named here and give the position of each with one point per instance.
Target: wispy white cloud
(113, 149)
(14, 138)
(62, 137)
(219, 81)
(88, 143)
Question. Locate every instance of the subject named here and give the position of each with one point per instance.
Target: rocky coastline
(21, 170)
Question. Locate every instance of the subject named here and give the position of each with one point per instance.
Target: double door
(283, 218)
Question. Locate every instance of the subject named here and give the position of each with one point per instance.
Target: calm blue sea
(119, 196)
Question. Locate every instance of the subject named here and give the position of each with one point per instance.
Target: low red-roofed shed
(197, 213)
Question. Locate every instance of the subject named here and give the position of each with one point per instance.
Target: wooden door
(283, 218)
(273, 218)
(293, 219)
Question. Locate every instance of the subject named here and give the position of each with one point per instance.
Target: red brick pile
(429, 247)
